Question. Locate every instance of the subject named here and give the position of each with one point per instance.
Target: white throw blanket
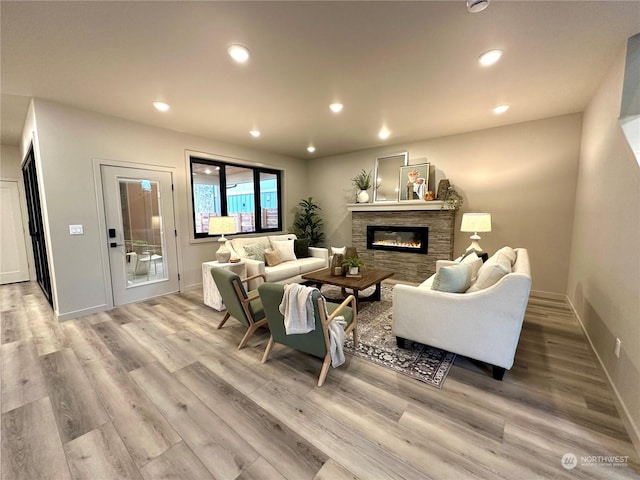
(297, 308)
(337, 338)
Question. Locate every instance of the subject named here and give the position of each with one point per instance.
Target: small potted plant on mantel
(353, 264)
(362, 181)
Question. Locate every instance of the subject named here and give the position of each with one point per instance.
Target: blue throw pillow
(453, 279)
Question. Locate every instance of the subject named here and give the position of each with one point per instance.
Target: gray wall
(67, 141)
(523, 174)
(605, 260)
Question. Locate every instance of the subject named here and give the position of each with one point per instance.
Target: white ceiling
(410, 66)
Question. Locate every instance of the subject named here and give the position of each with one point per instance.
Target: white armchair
(484, 325)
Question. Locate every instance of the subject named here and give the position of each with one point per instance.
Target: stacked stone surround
(411, 267)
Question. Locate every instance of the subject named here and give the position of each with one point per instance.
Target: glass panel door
(142, 230)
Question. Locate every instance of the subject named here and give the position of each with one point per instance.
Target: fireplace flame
(397, 243)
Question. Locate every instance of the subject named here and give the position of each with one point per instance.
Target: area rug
(378, 344)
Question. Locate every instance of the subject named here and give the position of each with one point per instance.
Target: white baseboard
(83, 312)
(625, 416)
(549, 295)
(193, 286)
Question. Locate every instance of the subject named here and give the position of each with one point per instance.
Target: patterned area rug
(378, 344)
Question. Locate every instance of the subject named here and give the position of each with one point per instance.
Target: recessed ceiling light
(311, 149)
(208, 171)
(255, 133)
(384, 133)
(490, 57)
(336, 107)
(239, 53)
(500, 109)
(475, 6)
(161, 106)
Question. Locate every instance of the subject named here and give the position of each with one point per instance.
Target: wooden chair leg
(325, 369)
(247, 335)
(355, 337)
(267, 351)
(226, 317)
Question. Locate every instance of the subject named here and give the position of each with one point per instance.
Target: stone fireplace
(409, 264)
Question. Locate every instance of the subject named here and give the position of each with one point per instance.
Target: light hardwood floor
(153, 391)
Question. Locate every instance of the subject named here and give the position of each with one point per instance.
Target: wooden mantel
(397, 206)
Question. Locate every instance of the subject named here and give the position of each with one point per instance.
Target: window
(224, 189)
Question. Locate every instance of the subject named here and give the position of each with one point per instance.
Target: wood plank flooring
(154, 391)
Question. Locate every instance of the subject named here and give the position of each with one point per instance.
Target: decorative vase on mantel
(363, 196)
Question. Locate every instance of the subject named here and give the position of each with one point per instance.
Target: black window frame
(256, 171)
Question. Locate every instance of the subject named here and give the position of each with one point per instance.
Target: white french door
(13, 248)
(140, 232)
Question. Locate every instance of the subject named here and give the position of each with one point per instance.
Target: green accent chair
(316, 342)
(244, 307)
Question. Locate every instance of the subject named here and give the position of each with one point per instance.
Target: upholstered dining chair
(316, 342)
(246, 307)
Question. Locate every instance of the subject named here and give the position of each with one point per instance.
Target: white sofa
(286, 272)
(482, 324)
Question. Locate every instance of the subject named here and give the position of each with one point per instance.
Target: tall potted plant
(307, 223)
(362, 181)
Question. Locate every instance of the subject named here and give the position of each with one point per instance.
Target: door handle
(114, 244)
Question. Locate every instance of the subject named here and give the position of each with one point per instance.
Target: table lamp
(475, 222)
(220, 226)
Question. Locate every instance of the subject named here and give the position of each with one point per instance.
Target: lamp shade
(476, 222)
(221, 225)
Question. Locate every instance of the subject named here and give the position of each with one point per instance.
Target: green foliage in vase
(362, 180)
(353, 262)
(307, 223)
(452, 199)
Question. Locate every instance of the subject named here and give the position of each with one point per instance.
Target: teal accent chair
(244, 307)
(316, 342)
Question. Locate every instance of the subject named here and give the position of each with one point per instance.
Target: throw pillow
(301, 247)
(475, 261)
(509, 253)
(338, 250)
(489, 276)
(452, 279)
(272, 258)
(286, 250)
(255, 251)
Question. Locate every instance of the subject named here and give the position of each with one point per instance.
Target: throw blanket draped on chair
(299, 318)
(297, 308)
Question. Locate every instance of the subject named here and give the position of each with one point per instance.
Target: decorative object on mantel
(386, 187)
(442, 188)
(429, 196)
(414, 180)
(363, 182)
(450, 197)
(475, 222)
(307, 223)
(220, 226)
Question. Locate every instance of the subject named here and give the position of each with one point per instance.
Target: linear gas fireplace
(398, 239)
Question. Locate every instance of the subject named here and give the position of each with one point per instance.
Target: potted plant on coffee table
(354, 265)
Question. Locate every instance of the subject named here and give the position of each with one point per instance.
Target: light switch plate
(75, 230)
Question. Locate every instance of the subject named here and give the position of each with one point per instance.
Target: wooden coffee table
(370, 276)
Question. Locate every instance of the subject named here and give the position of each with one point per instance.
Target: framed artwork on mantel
(414, 181)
